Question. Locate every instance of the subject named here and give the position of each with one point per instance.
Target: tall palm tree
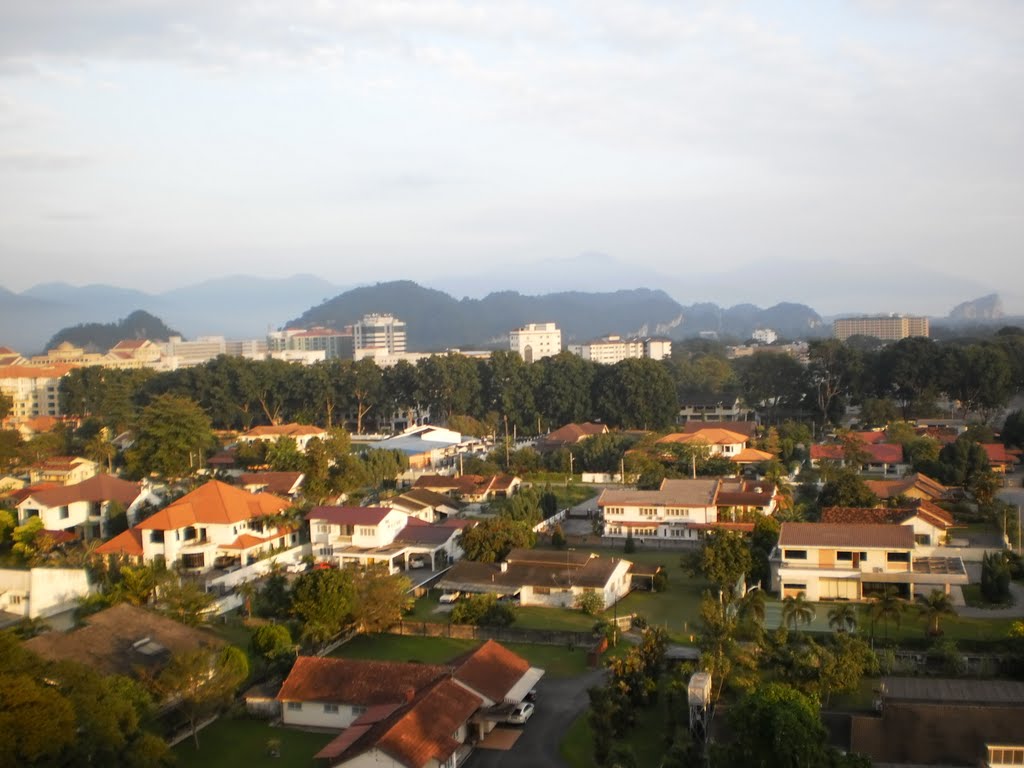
(796, 611)
(887, 606)
(751, 607)
(842, 617)
(101, 450)
(934, 607)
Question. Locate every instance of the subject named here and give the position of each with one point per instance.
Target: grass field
(244, 742)
(974, 598)
(557, 661)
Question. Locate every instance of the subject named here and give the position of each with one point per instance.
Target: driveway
(559, 703)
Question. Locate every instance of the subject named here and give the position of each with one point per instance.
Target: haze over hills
(246, 306)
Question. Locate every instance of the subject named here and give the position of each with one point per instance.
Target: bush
(660, 581)
(630, 546)
(483, 611)
(591, 603)
(639, 622)
(995, 577)
(558, 537)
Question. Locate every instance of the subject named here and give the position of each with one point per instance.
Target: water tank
(700, 689)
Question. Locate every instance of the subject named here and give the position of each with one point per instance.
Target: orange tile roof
(127, 543)
(355, 681)
(713, 436)
(285, 430)
(54, 371)
(887, 489)
(492, 669)
(96, 489)
(425, 729)
(751, 456)
(214, 503)
(247, 541)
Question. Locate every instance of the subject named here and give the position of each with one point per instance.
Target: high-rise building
(334, 344)
(536, 340)
(377, 335)
(885, 327)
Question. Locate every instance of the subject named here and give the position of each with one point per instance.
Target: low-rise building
(62, 470)
(913, 486)
(41, 593)
(612, 349)
(534, 341)
(82, 508)
(846, 561)
(470, 488)
(720, 442)
(878, 458)
(300, 433)
(569, 435)
(931, 524)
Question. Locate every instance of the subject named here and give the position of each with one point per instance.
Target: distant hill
(987, 308)
(436, 320)
(99, 337)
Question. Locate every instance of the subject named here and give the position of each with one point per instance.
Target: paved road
(559, 703)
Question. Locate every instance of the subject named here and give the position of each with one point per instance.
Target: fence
(555, 518)
(501, 634)
(600, 477)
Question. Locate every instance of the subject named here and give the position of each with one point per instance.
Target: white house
(833, 561)
(62, 470)
(681, 509)
(300, 433)
(84, 507)
(215, 520)
(42, 593)
(719, 442)
(931, 524)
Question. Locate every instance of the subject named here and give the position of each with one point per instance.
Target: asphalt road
(559, 703)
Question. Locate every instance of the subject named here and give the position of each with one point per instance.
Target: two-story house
(62, 470)
(681, 509)
(356, 535)
(719, 442)
(215, 520)
(931, 523)
(843, 561)
(878, 458)
(82, 508)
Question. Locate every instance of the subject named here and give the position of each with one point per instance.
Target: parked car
(226, 561)
(531, 696)
(521, 713)
(449, 597)
(323, 565)
(298, 567)
(418, 561)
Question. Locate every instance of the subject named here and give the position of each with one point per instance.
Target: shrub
(995, 577)
(660, 581)
(558, 537)
(483, 611)
(591, 603)
(630, 545)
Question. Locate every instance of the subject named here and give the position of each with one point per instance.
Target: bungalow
(745, 428)
(931, 524)
(426, 505)
(285, 484)
(999, 458)
(62, 470)
(84, 507)
(834, 561)
(215, 520)
(879, 458)
(681, 509)
(300, 433)
(425, 446)
(470, 488)
(720, 442)
(570, 434)
(402, 714)
(545, 578)
(914, 486)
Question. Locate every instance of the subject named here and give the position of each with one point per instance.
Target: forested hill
(99, 337)
(436, 320)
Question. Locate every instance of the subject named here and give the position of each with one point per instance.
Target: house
(84, 507)
(543, 577)
(879, 458)
(215, 520)
(405, 714)
(569, 435)
(41, 593)
(285, 484)
(931, 524)
(745, 428)
(123, 640)
(913, 486)
(62, 470)
(1000, 459)
(426, 505)
(711, 407)
(9, 484)
(132, 354)
(681, 509)
(751, 456)
(470, 488)
(720, 442)
(371, 536)
(848, 561)
(300, 433)
(933, 721)
(425, 446)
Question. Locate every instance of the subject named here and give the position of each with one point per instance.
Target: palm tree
(101, 450)
(887, 606)
(842, 617)
(751, 607)
(796, 611)
(934, 607)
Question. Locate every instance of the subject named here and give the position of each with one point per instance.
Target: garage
(838, 589)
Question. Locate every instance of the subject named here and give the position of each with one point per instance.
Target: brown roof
(673, 493)
(561, 569)
(426, 534)
(709, 435)
(424, 731)
(214, 503)
(109, 641)
(349, 515)
(127, 543)
(492, 669)
(745, 428)
(888, 516)
(285, 430)
(571, 434)
(355, 681)
(997, 454)
(95, 489)
(846, 535)
(280, 483)
(887, 489)
(428, 498)
(877, 453)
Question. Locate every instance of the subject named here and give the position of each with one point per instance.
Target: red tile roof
(285, 430)
(887, 489)
(280, 483)
(214, 503)
(424, 731)
(492, 669)
(127, 543)
(355, 681)
(879, 453)
(927, 511)
(846, 535)
(96, 489)
(349, 515)
(997, 454)
(571, 434)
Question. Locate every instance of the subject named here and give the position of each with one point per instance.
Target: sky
(728, 151)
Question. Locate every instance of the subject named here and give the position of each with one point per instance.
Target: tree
(483, 611)
(933, 607)
(846, 489)
(831, 371)
(184, 601)
(381, 599)
(995, 577)
(283, 455)
(203, 680)
(563, 394)
(324, 602)
(725, 560)
(491, 540)
(27, 539)
(762, 544)
(1012, 432)
(101, 450)
(796, 611)
(8, 522)
(776, 726)
(844, 665)
(769, 380)
(37, 723)
(636, 393)
(725, 659)
(174, 435)
(842, 617)
(887, 606)
(273, 643)
(137, 584)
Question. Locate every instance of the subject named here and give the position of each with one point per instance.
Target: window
(897, 557)
(295, 706)
(844, 556)
(794, 585)
(14, 600)
(357, 710)
(331, 709)
(542, 590)
(795, 554)
(64, 514)
(194, 560)
(922, 538)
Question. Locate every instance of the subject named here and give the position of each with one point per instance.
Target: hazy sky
(152, 143)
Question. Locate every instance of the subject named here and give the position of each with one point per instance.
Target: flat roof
(944, 691)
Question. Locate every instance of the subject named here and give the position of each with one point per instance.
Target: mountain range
(246, 307)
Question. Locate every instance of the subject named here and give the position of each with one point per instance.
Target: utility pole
(507, 459)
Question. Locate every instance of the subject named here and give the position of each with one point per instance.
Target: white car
(418, 561)
(300, 567)
(449, 597)
(521, 713)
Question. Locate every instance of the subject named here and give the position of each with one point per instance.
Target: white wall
(43, 591)
(313, 714)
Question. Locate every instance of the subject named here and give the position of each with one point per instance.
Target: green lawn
(646, 739)
(557, 661)
(974, 598)
(244, 742)
(913, 625)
